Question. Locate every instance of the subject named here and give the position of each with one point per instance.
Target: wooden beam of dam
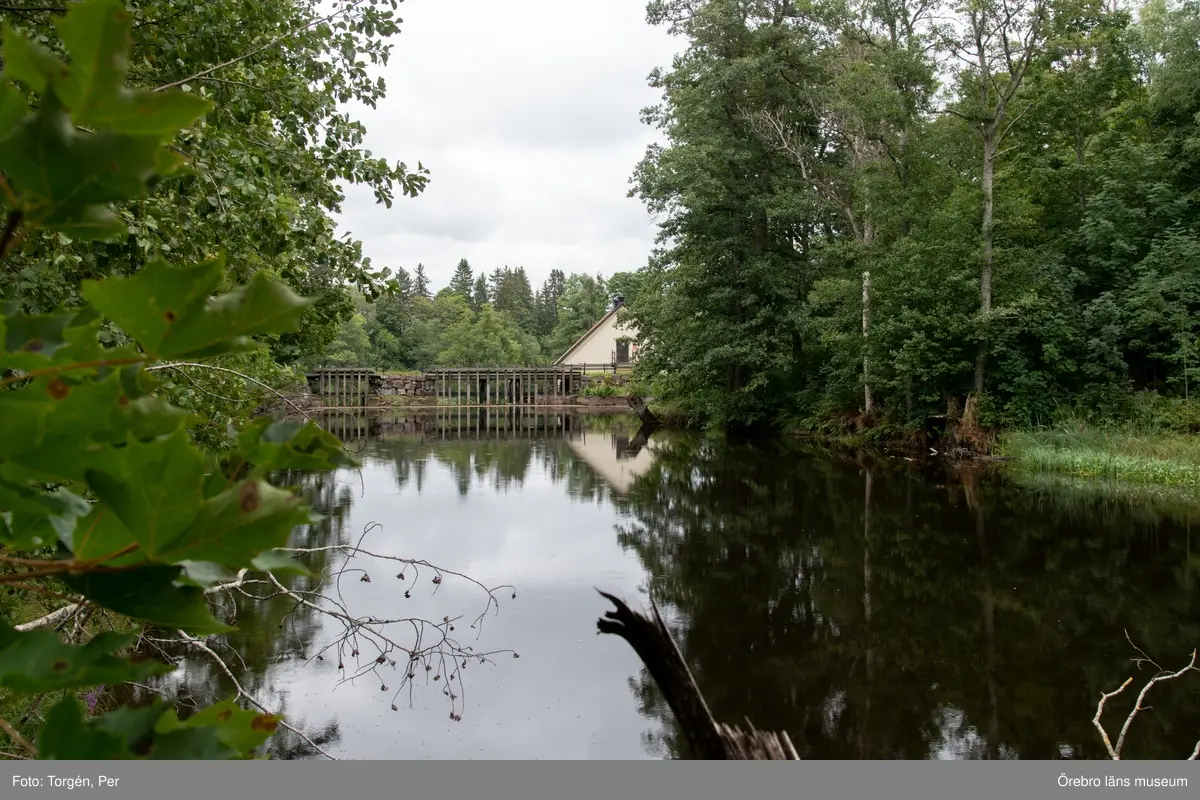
(460, 387)
(509, 386)
(467, 387)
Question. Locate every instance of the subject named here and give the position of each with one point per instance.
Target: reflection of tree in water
(495, 465)
(270, 632)
(277, 633)
(955, 619)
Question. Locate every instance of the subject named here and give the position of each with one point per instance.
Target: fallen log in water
(642, 410)
(709, 739)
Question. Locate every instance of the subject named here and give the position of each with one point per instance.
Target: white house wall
(601, 346)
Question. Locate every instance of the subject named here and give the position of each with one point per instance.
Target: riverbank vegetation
(1170, 460)
(922, 215)
(152, 257)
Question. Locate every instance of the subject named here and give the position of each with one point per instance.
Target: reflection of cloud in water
(958, 740)
(512, 522)
(860, 643)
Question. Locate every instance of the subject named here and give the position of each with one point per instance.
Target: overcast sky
(526, 113)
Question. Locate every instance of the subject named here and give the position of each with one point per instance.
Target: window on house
(622, 351)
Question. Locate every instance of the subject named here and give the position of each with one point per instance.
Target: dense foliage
(102, 488)
(489, 319)
(886, 210)
(266, 171)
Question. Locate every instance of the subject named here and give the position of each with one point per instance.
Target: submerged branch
(709, 739)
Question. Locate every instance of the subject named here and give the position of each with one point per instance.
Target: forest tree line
(880, 210)
(487, 319)
(872, 210)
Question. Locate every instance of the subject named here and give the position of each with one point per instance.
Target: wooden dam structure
(348, 387)
(468, 387)
(516, 386)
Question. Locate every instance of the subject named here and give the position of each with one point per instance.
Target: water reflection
(877, 613)
(871, 610)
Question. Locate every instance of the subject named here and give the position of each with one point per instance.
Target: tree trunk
(867, 241)
(987, 184)
(868, 400)
(708, 739)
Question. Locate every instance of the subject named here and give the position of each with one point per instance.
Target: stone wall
(404, 386)
(604, 403)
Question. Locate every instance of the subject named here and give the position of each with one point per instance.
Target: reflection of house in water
(618, 458)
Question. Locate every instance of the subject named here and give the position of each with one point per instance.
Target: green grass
(1114, 454)
(1154, 501)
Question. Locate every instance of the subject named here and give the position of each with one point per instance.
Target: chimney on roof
(618, 300)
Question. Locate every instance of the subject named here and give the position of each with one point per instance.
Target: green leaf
(262, 306)
(96, 34)
(38, 661)
(205, 574)
(67, 736)
(137, 382)
(276, 444)
(168, 311)
(31, 63)
(31, 341)
(132, 727)
(128, 733)
(195, 744)
(279, 561)
(147, 304)
(148, 113)
(239, 523)
(154, 488)
(64, 178)
(149, 594)
(22, 530)
(12, 108)
(101, 534)
(34, 517)
(51, 426)
(242, 730)
(148, 417)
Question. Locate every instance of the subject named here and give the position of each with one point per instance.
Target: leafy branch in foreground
(101, 486)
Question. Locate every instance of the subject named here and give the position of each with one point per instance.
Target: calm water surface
(870, 608)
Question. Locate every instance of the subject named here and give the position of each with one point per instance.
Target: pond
(874, 608)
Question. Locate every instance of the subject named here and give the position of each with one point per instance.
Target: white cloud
(527, 115)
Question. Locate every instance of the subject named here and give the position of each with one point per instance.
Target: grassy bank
(1127, 455)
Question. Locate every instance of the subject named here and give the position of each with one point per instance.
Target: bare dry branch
(1114, 751)
(53, 618)
(16, 736)
(67, 612)
(202, 647)
(178, 365)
